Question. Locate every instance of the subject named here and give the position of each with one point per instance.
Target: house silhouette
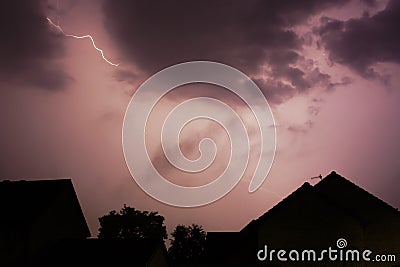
(42, 224)
(34, 215)
(313, 217)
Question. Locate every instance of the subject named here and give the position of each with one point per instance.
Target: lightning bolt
(58, 27)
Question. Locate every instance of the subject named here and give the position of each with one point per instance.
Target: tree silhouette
(187, 244)
(130, 223)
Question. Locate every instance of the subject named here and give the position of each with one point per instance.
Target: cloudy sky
(329, 70)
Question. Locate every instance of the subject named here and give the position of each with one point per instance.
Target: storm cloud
(247, 35)
(361, 42)
(29, 49)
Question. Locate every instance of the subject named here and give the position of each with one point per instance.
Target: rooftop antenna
(316, 177)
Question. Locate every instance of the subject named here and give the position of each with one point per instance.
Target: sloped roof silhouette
(339, 194)
(24, 201)
(355, 200)
(308, 218)
(305, 189)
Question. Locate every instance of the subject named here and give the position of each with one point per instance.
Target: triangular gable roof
(353, 199)
(340, 194)
(306, 188)
(24, 201)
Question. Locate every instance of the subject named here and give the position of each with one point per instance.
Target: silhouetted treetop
(130, 223)
(187, 244)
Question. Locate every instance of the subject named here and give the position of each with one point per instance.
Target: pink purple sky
(329, 69)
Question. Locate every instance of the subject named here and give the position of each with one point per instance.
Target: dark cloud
(361, 42)
(245, 34)
(28, 47)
